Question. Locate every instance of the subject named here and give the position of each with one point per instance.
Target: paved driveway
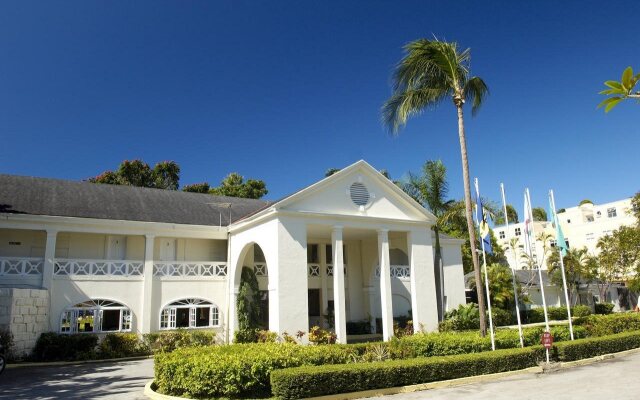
(615, 379)
(118, 380)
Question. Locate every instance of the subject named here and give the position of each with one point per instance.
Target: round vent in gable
(359, 194)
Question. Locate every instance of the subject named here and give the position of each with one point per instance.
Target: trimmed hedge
(603, 308)
(586, 348)
(602, 325)
(557, 313)
(239, 370)
(302, 382)
(56, 347)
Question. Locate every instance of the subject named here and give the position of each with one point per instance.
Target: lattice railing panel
(21, 266)
(190, 269)
(98, 267)
(402, 272)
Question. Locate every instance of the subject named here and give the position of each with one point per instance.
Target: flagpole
(515, 260)
(486, 275)
(531, 250)
(564, 279)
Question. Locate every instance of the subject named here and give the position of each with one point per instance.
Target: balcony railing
(74, 267)
(402, 272)
(190, 269)
(21, 266)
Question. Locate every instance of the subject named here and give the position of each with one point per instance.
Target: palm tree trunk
(439, 274)
(470, 225)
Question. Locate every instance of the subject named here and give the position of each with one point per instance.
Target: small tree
(578, 267)
(539, 214)
(619, 257)
(511, 213)
(248, 301)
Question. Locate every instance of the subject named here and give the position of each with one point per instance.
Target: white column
(147, 286)
(324, 291)
(424, 303)
(47, 274)
(49, 260)
(339, 304)
(385, 284)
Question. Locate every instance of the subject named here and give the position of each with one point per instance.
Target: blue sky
(281, 91)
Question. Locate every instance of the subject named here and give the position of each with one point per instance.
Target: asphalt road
(616, 378)
(118, 381)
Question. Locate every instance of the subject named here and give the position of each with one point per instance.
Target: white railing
(402, 272)
(21, 266)
(66, 267)
(190, 269)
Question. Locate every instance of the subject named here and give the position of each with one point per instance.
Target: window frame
(168, 320)
(97, 308)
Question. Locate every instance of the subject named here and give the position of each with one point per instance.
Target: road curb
(65, 363)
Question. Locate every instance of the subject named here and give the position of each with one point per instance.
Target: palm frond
(403, 104)
(475, 91)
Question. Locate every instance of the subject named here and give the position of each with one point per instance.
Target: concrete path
(114, 380)
(616, 378)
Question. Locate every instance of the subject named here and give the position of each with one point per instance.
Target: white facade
(582, 227)
(105, 275)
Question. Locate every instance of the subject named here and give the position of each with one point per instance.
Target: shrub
(602, 325)
(556, 313)
(591, 347)
(169, 341)
(303, 382)
(465, 317)
(240, 370)
(59, 347)
(245, 336)
(318, 335)
(267, 337)
(116, 345)
(603, 308)
(501, 317)
(6, 341)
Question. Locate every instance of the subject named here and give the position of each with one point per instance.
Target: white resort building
(582, 227)
(81, 257)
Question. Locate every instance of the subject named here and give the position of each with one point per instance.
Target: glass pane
(164, 318)
(202, 316)
(65, 323)
(182, 318)
(312, 253)
(85, 320)
(110, 320)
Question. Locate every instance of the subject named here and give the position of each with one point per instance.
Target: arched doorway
(251, 288)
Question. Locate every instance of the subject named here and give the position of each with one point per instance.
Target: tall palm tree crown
(431, 72)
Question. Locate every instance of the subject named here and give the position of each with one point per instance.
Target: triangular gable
(358, 190)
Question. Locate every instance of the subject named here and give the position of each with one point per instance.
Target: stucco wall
(22, 243)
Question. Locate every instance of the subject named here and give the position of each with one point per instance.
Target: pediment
(358, 190)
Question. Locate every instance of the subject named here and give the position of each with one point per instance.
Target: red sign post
(547, 340)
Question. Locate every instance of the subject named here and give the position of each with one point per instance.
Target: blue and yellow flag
(482, 217)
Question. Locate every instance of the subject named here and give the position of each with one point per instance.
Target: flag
(529, 239)
(555, 222)
(482, 217)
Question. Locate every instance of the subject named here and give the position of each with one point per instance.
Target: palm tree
(431, 72)
(430, 189)
(578, 267)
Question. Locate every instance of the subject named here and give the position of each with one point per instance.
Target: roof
(57, 197)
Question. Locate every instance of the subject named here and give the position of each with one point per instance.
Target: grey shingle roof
(57, 197)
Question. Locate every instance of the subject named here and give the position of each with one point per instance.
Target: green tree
(619, 91)
(539, 214)
(234, 185)
(511, 213)
(331, 171)
(501, 287)
(635, 207)
(431, 189)
(248, 301)
(431, 72)
(197, 188)
(619, 256)
(165, 175)
(585, 201)
(578, 268)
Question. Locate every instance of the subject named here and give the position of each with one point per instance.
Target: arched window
(94, 316)
(189, 313)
